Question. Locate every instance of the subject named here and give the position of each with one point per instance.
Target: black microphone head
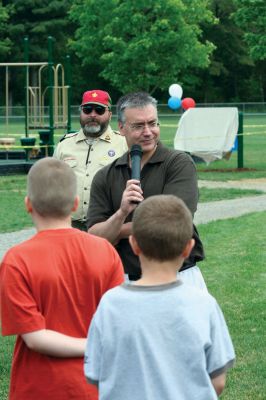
(135, 155)
(136, 150)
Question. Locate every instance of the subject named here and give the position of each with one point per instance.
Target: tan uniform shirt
(86, 156)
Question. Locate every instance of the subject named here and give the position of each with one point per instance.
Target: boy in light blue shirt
(158, 338)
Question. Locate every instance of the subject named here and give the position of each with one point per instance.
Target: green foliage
(230, 63)
(4, 40)
(144, 44)
(38, 19)
(35, 19)
(250, 15)
(214, 49)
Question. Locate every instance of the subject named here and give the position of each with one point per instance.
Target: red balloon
(187, 103)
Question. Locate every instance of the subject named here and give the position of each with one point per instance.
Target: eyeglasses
(140, 127)
(100, 110)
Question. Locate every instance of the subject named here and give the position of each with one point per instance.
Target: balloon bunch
(175, 101)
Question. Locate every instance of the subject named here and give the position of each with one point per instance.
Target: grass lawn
(6, 351)
(235, 257)
(206, 194)
(13, 191)
(234, 271)
(254, 151)
(254, 146)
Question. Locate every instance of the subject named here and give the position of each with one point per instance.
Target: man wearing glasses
(115, 195)
(92, 147)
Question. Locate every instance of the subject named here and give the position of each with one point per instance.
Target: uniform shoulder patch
(68, 135)
(117, 132)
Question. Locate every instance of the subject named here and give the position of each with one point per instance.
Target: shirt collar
(157, 157)
(106, 136)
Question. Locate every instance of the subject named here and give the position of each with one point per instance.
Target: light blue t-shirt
(157, 342)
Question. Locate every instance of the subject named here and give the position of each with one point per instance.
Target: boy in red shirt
(50, 287)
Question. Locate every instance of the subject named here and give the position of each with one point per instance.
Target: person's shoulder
(93, 239)
(177, 153)
(109, 304)
(204, 299)
(118, 138)
(174, 155)
(112, 295)
(191, 291)
(97, 241)
(117, 132)
(68, 135)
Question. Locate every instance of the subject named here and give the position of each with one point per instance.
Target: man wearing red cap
(92, 147)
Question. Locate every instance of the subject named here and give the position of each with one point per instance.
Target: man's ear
(76, 203)
(28, 204)
(188, 248)
(121, 128)
(134, 245)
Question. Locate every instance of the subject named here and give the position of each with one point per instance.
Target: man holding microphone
(115, 195)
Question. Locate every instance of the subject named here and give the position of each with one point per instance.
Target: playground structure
(47, 106)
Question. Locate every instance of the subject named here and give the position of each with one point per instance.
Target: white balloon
(175, 90)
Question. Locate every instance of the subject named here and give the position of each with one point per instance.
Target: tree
(4, 40)
(141, 44)
(38, 19)
(250, 15)
(35, 19)
(231, 65)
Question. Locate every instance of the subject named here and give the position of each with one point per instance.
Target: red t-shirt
(55, 281)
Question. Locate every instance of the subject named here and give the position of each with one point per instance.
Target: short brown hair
(52, 187)
(162, 226)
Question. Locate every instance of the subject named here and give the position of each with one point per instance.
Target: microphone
(135, 155)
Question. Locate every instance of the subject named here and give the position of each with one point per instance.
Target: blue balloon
(174, 103)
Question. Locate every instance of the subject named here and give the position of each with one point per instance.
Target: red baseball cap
(96, 97)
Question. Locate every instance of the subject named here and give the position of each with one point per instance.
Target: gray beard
(92, 131)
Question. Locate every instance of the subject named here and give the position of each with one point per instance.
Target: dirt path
(233, 208)
(256, 184)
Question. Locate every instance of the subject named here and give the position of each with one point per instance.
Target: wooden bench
(7, 141)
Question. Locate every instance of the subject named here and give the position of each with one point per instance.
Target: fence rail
(246, 108)
(254, 133)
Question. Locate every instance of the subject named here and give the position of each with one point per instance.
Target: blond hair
(162, 226)
(52, 188)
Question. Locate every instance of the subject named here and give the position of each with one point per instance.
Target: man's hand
(131, 197)
(115, 228)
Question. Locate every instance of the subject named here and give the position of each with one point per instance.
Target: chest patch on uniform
(111, 153)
